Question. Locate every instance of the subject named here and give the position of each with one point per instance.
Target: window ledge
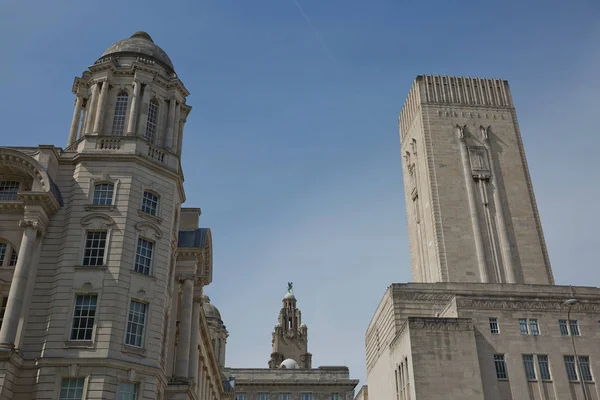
(136, 351)
(144, 275)
(82, 344)
(96, 207)
(91, 267)
(150, 217)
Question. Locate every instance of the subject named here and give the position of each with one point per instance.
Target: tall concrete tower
(472, 215)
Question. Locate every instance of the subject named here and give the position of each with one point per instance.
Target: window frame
(534, 327)
(574, 323)
(501, 358)
(3, 304)
(309, 394)
(75, 342)
(523, 326)
(529, 367)
(9, 251)
(563, 327)
(8, 180)
(95, 180)
(588, 370)
(125, 115)
(494, 325)
(262, 396)
(241, 396)
(157, 210)
(568, 370)
(84, 247)
(285, 396)
(94, 190)
(150, 266)
(125, 382)
(144, 328)
(60, 381)
(546, 361)
(152, 126)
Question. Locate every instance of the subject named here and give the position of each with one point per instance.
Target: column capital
(185, 277)
(34, 224)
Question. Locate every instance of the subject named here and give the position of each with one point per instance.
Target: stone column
(99, 121)
(180, 136)
(133, 108)
(185, 329)
(141, 130)
(468, 175)
(170, 124)
(75, 121)
(19, 283)
(175, 143)
(194, 354)
(90, 108)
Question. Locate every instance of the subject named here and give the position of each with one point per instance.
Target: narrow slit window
(152, 121)
(120, 113)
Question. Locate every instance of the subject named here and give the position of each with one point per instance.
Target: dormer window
(152, 121)
(9, 190)
(103, 194)
(120, 113)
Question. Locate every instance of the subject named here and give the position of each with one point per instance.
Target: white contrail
(313, 29)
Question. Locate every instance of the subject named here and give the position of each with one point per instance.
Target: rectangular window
(584, 368)
(306, 396)
(103, 194)
(14, 255)
(564, 330)
(574, 327)
(143, 256)
(335, 396)
(149, 203)
(136, 322)
(95, 246)
(128, 391)
(284, 396)
(241, 396)
(523, 327)
(544, 367)
(3, 309)
(534, 327)
(84, 315)
(9, 190)
(571, 370)
(262, 396)
(494, 325)
(71, 389)
(529, 368)
(501, 372)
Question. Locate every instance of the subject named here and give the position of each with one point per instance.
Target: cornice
(537, 304)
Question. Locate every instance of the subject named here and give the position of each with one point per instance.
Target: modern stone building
(290, 375)
(102, 270)
(483, 319)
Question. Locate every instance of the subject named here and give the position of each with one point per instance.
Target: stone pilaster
(99, 121)
(75, 121)
(133, 110)
(185, 329)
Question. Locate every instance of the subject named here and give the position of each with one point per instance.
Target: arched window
(150, 203)
(152, 121)
(103, 194)
(120, 112)
(8, 255)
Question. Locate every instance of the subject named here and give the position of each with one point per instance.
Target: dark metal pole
(575, 354)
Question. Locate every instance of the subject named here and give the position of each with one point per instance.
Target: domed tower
(218, 331)
(290, 337)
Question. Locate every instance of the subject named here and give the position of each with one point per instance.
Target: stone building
(102, 269)
(483, 318)
(290, 375)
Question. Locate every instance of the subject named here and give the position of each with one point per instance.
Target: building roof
(142, 44)
(210, 311)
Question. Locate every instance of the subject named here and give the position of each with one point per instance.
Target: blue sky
(292, 147)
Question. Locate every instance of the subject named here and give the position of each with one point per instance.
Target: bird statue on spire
(290, 287)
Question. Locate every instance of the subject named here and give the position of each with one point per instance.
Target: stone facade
(484, 319)
(102, 269)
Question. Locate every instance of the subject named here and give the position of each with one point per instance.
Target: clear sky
(292, 147)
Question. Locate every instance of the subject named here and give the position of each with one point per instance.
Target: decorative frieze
(549, 305)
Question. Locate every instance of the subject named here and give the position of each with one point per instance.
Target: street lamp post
(570, 303)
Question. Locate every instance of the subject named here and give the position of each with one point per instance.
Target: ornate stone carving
(35, 224)
(97, 221)
(440, 324)
(480, 166)
(553, 304)
(149, 230)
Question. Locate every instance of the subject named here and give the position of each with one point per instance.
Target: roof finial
(290, 287)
